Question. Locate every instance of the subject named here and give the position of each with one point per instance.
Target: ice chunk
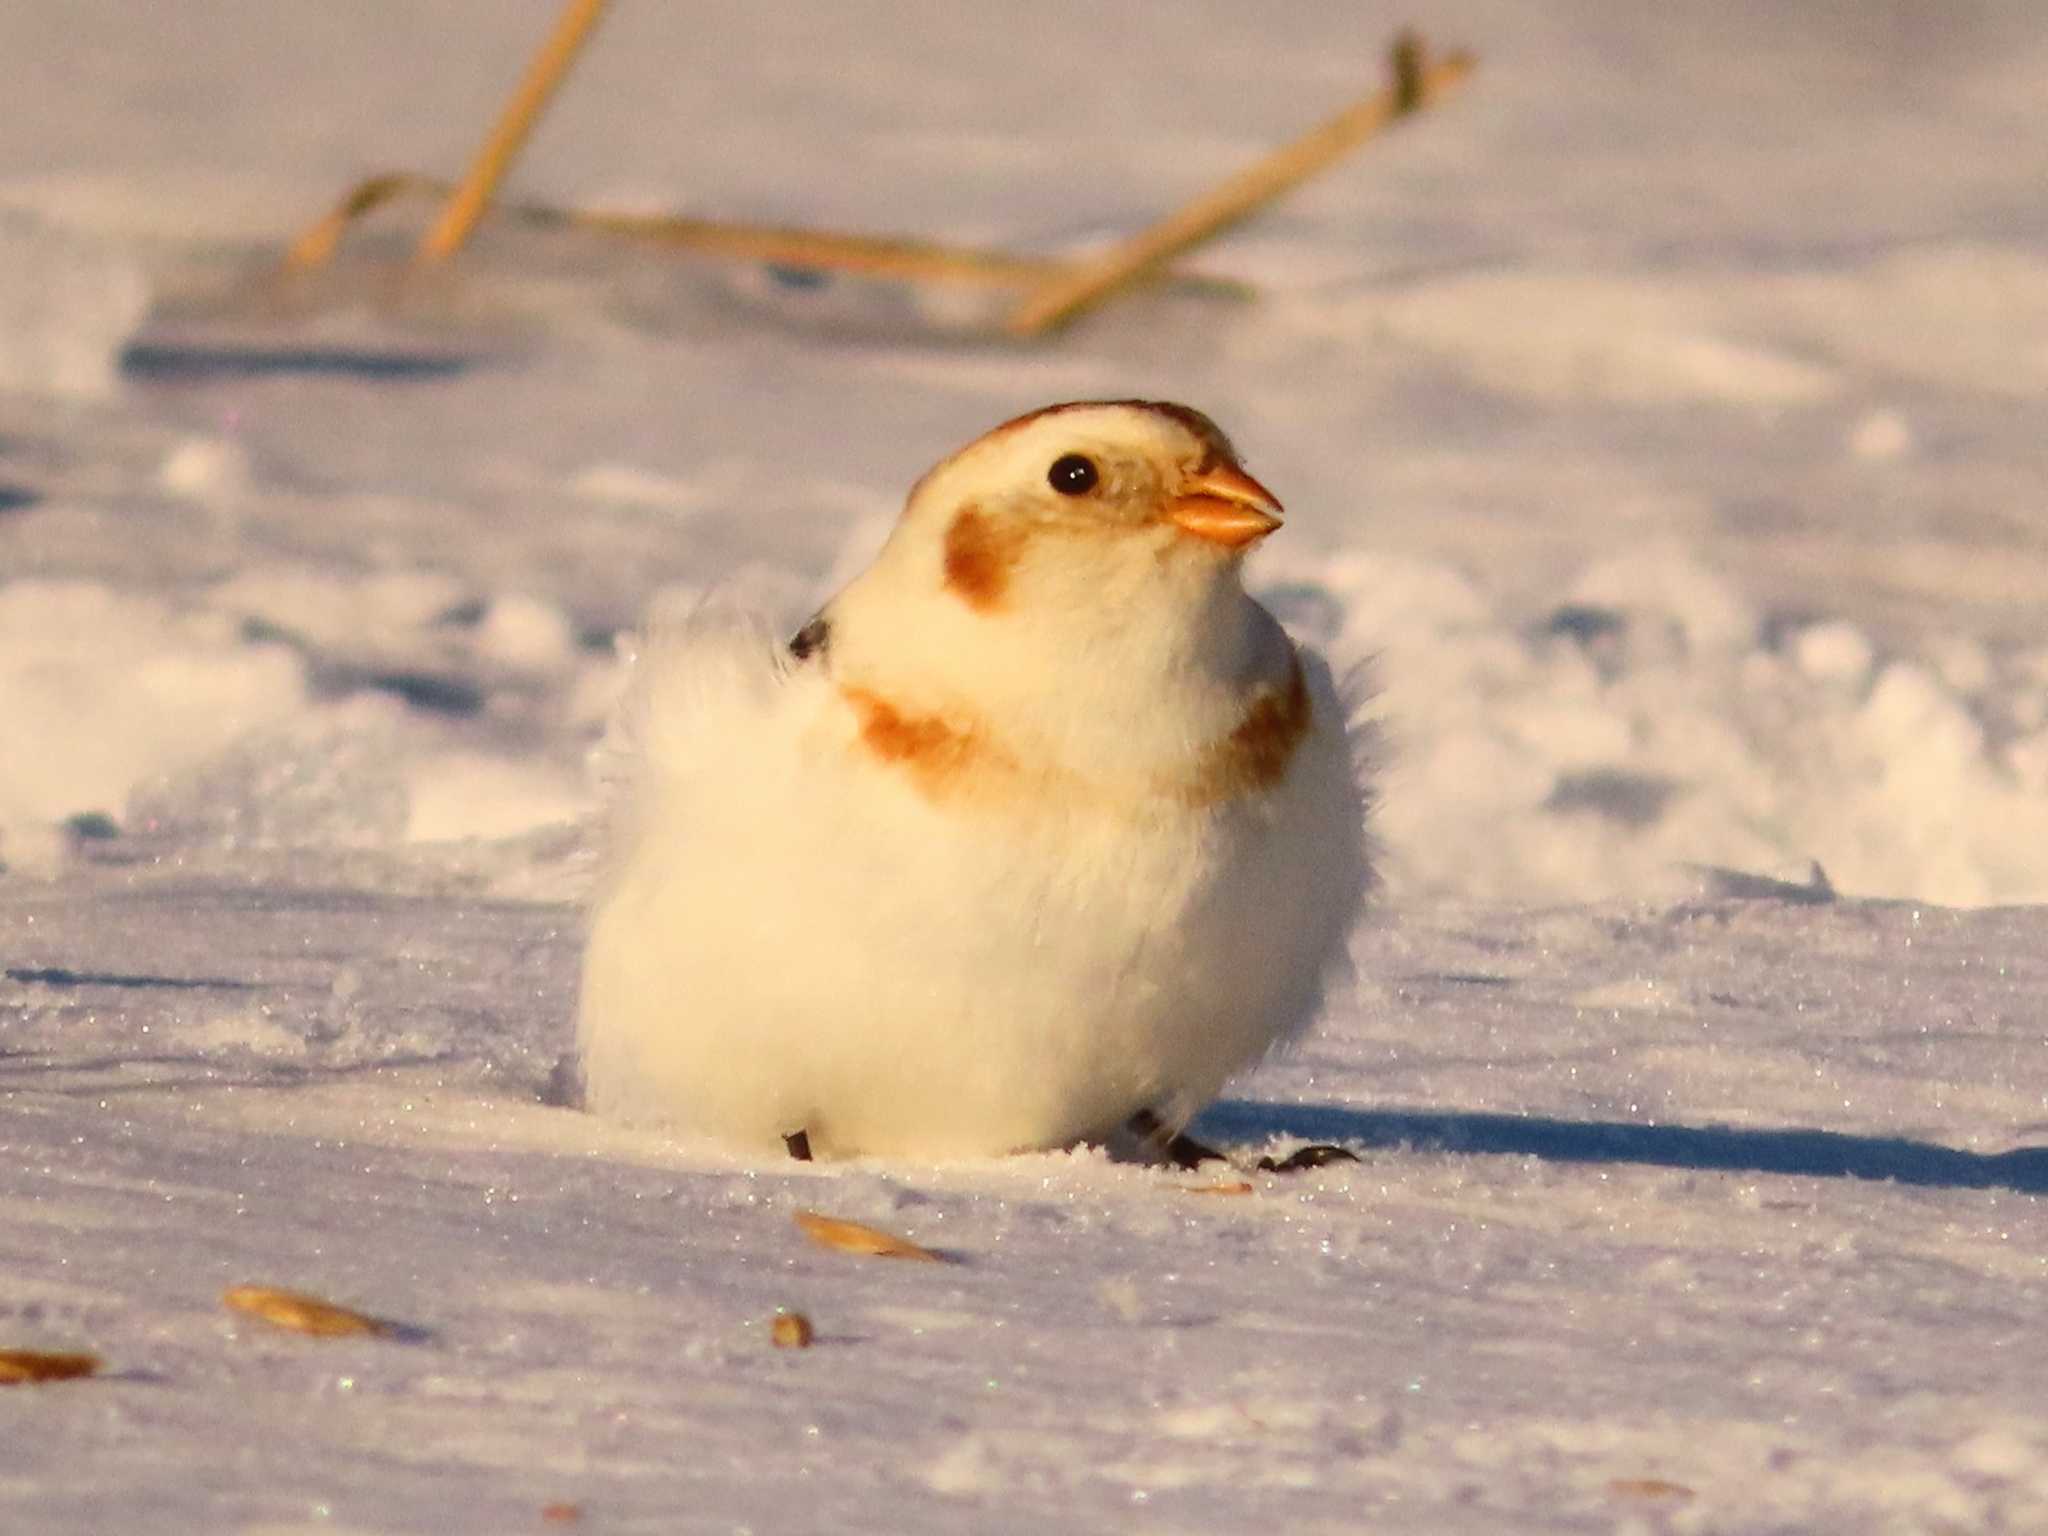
(526, 634)
(469, 794)
(1671, 582)
(1881, 436)
(113, 689)
(1603, 336)
(210, 470)
(329, 779)
(1836, 652)
(67, 303)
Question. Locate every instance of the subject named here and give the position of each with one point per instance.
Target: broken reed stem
(1059, 290)
(452, 230)
(316, 244)
(865, 255)
(818, 250)
(1418, 82)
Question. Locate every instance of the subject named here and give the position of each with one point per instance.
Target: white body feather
(796, 933)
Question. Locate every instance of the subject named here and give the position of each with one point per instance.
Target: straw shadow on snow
(175, 361)
(1818, 1154)
(178, 1072)
(64, 976)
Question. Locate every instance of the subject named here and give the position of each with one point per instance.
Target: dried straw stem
(1418, 82)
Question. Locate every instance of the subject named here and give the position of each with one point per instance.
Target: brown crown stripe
(1217, 446)
(980, 553)
(1187, 416)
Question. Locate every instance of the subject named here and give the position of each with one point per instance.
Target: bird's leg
(1184, 1151)
(799, 1144)
(1317, 1154)
(1187, 1152)
(1175, 1147)
(813, 639)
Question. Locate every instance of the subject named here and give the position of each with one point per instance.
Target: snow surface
(1661, 417)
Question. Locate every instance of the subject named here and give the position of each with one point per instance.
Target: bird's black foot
(799, 1144)
(1174, 1147)
(1319, 1154)
(1186, 1152)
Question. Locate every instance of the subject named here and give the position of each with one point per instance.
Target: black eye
(1072, 474)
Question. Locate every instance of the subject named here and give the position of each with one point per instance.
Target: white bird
(1042, 827)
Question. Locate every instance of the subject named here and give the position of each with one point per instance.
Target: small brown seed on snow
(300, 1313)
(852, 1237)
(1649, 1488)
(791, 1330)
(18, 1366)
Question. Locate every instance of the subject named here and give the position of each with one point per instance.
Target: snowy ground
(1616, 1262)
(1662, 414)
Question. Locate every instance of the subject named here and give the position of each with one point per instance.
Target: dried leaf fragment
(791, 1330)
(1649, 1488)
(1234, 1187)
(852, 1237)
(300, 1313)
(18, 1366)
(561, 1512)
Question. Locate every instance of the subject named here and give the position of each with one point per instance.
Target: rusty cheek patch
(1255, 755)
(980, 555)
(936, 752)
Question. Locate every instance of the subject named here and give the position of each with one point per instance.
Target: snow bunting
(1042, 827)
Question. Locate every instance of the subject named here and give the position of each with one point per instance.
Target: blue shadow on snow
(180, 363)
(1724, 1149)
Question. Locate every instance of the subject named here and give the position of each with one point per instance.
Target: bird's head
(1099, 513)
(1102, 496)
(1083, 554)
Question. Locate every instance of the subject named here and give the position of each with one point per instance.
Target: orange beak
(1225, 506)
